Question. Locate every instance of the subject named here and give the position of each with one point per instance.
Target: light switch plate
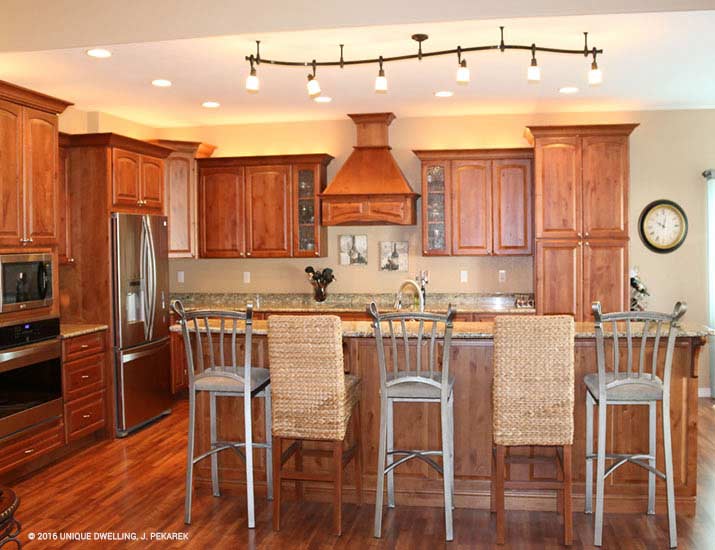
(180, 276)
(246, 277)
(502, 275)
(463, 276)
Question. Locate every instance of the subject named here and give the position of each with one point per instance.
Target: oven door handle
(30, 354)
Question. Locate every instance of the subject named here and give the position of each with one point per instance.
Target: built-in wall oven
(25, 281)
(30, 375)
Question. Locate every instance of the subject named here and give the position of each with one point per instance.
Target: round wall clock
(663, 226)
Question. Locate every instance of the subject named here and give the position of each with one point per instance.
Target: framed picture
(393, 255)
(353, 249)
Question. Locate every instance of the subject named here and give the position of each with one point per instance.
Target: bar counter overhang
(417, 426)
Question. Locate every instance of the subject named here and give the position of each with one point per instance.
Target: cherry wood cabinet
(477, 202)
(181, 191)
(268, 218)
(137, 181)
(261, 207)
(581, 218)
(64, 229)
(152, 183)
(29, 193)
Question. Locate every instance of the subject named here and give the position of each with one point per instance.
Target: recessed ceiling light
(323, 99)
(161, 83)
(211, 104)
(444, 93)
(100, 53)
(568, 90)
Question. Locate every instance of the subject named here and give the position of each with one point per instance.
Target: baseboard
(704, 392)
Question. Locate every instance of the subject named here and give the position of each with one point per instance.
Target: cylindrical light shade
(534, 72)
(313, 87)
(595, 77)
(381, 83)
(463, 75)
(252, 82)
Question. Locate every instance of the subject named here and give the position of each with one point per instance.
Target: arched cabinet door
(126, 178)
(152, 183)
(471, 207)
(41, 191)
(11, 215)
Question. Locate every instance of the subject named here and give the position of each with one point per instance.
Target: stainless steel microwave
(25, 281)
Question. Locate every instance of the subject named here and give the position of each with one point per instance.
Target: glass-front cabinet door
(307, 233)
(436, 219)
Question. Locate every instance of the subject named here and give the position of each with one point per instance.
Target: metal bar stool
(408, 381)
(313, 399)
(631, 387)
(533, 400)
(209, 371)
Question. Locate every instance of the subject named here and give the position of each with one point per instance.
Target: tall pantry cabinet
(581, 180)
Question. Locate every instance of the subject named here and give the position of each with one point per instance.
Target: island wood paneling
(417, 426)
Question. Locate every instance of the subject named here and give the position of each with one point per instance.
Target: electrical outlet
(463, 276)
(180, 276)
(246, 277)
(502, 275)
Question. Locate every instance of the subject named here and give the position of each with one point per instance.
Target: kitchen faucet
(419, 284)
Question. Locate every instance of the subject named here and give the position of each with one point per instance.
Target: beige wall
(74, 121)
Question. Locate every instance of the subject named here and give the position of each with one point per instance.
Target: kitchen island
(417, 426)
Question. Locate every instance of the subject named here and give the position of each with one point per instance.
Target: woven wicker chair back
(305, 356)
(626, 328)
(211, 343)
(533, 388)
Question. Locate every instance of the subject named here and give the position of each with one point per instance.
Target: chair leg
(276, 445)
(447, 469)
(358, 453)
(492, 489)
(338, 487)
(190, 457)
(451, 447)
(269, 450)
(381, 458)
(600, 472)
(498, 489)
(248, 427)
(299, 468)
(588, 508)
(566, 495)
(214, 437)
(652, 452)
(390, 457)
(668, 451)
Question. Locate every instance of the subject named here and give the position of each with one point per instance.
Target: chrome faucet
(419, 285)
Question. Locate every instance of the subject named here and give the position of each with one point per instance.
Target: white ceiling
(651, 61)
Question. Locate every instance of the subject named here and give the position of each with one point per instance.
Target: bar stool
(631, 387)
(533, 400)
(211, 372)
(408, 382)
(313, 399)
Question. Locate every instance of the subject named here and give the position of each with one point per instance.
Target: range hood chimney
(370, 188)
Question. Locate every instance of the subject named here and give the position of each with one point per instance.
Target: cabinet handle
(29, 451)
(84, 346)
(579, 235)
(580, 243)
(587, 234)
(316, 253)
(248, 253)
(70, 260)
(85, 376)
(588, 243)
(85, 416)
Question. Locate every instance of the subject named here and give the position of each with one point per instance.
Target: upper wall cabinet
(136, 171)
(261, 207)
(581, 183)
(180, 174)
(29, 194)
(477, 202)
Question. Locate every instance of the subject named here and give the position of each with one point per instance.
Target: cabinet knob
(579, 235)
(248, 253)
(316, 253)
(580, 243)
(588, 244)
(587, 234)
(70, 260)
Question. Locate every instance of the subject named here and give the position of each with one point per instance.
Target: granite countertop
(465, 330)
(71, 330)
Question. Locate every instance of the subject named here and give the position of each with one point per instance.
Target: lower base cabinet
(30, 444)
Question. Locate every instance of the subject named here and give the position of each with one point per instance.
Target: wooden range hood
(370, 188)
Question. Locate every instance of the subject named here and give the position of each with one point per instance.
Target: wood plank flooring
(136, 485)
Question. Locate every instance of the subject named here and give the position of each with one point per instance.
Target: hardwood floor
(136, 485)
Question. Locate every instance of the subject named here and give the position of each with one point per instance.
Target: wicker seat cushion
(212, 380)
(416, 390)
(533, 390)
(643, 389)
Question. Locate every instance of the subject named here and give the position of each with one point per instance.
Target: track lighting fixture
(595, 77)
(252, 82)
(533, 74)
(381, 80)
(313, 84)
(463, 76)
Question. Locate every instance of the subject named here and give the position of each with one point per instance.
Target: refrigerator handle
(152, 258)
(146, 279)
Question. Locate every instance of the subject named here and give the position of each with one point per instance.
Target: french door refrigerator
(141, 319)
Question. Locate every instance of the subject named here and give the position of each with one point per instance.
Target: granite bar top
(337, 303)
(466, 330)
(71, 330)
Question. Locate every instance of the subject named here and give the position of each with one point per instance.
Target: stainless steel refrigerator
(141, 319)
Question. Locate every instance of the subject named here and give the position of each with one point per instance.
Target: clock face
(663, 226)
